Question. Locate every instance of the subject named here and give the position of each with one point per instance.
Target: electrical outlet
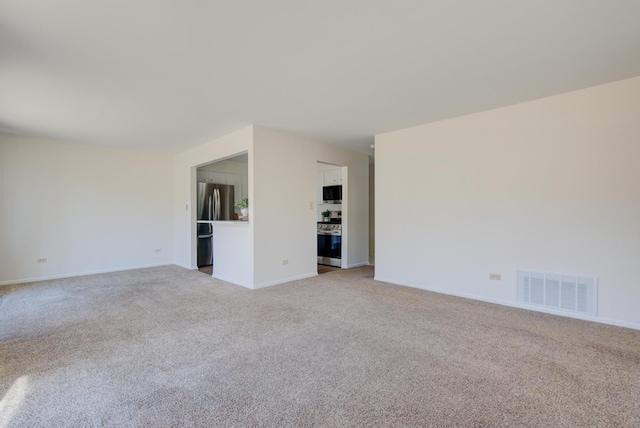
(158, 250)
(285, 262)
(310, 205)
(495, 276)
(186, 207)
(42, 260)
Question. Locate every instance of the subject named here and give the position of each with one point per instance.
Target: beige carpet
(172, 347)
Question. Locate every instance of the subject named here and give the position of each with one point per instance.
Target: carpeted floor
(172, 347)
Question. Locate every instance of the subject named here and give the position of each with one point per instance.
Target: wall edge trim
(75, 274)
(601, 320)
(233, 281)
(285, 280)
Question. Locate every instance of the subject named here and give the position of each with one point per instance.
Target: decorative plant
(326, 213)
(243, 203)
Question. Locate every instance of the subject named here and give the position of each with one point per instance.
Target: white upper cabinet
(211, 177)
(330, 177)
(218, 177)
(333, 177)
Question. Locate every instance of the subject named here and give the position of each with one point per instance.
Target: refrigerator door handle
(217, 204)
(213, 205)
(210, 214)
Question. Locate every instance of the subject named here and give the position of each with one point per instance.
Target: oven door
(330, 245)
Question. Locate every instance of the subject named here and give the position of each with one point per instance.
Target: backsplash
(331, 207)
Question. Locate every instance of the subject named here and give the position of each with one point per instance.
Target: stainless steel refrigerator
(215, 202)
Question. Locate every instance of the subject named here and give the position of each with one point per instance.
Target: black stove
(330, 242)
(332, 221)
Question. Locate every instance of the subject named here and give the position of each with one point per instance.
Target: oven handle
(329, 232)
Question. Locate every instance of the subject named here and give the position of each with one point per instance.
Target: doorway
(331, 200)
(219, 186)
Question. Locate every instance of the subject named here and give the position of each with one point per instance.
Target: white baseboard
(186, 266)
(355, 265)
(74, 274)
(232, 281)
(609, 321)
(282, 281)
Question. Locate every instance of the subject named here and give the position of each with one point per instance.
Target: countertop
(238, 222)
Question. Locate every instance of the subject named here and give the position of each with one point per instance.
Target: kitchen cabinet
(217, 177)
(211, 177)
(330, 177)
(333, 177)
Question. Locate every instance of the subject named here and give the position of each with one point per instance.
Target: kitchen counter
(222, 222)
(232, 251)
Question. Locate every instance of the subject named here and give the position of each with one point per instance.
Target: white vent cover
(558, 291)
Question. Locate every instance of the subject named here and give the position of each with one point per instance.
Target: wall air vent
(558, 291)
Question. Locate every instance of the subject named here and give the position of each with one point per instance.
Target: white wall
(285, 179)
(550, 185)
(372, 214)
(85, 208)
(184, 190)
(282, 182)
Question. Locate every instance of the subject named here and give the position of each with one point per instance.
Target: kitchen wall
(548, 185)
(372, 214)
(84, 208)
(284, 205)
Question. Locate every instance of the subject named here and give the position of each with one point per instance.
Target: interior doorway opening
(331, 216)
(219, 185)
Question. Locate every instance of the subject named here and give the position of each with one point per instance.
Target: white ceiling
(169, 75)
